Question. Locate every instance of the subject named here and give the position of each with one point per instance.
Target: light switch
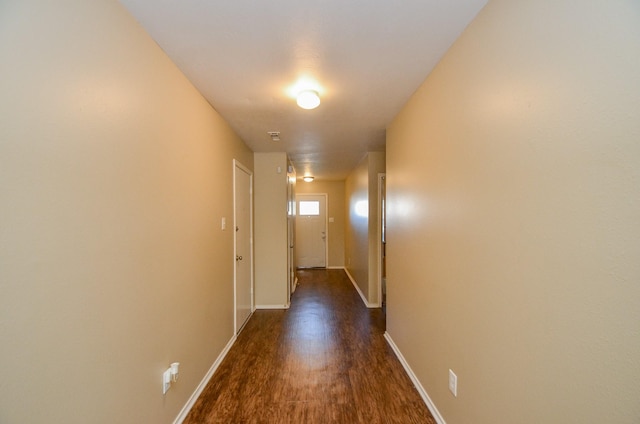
(453, 383)
(223, 223)
(331, 219)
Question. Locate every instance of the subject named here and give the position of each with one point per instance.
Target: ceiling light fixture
(308, 99)
(307, 178)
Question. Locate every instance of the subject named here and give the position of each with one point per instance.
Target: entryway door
(311, 230)
(243, 275)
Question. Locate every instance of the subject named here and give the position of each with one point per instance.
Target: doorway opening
(382, 242)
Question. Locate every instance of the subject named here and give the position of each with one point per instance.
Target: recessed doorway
(311, 231)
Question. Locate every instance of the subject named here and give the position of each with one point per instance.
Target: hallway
(324, 360)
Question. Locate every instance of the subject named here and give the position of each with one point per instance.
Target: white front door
(242, 245)
(311, 230)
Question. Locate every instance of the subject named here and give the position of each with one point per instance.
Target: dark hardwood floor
(324, 360)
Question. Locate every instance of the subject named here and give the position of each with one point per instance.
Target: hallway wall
(114, 176)
(361, 231)
(271, 244)
(513, 217)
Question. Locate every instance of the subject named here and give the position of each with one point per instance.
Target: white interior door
(311, 230)
(242, 245)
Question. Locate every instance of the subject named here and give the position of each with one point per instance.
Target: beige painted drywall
(271, 244)
(513, 217)
(376, 167)
(114, 176)
(336, 210)
(361, 231)
(357, 225)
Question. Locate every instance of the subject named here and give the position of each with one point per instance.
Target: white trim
(381, 180)
(295, 285)
(272, 306)
(335, 267)
(364, 299)
(423, 393)
(196, 394)
(244, 324)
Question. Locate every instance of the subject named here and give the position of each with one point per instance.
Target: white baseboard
(423, 393)
(272, 306)
(194, 397)
(364, 299)
(335, 267)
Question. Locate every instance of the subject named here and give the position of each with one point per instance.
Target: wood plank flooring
(324, 360)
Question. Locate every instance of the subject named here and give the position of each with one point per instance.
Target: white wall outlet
(166, 380)
(223, 223)
(453, 383)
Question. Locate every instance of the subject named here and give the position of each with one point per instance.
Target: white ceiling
(365, 58)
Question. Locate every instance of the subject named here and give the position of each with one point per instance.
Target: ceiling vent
(275, 135)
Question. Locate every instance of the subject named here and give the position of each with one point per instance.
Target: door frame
(239, 166)
(381, 218)
(292, 279)
(326, 221)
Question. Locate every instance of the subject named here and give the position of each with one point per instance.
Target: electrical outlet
(453, 383)
(166, 381)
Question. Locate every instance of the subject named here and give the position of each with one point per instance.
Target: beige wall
(361, 231)
(336, 210)
(376, 166)
(357, 226)
(114, 176)
(513, 217)
(271, 242)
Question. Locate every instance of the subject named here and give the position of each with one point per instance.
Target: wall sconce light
(308, 99)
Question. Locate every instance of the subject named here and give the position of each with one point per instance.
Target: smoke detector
(275, 135)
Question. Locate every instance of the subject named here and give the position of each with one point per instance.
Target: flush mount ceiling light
(307, 178)
(308, 99)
